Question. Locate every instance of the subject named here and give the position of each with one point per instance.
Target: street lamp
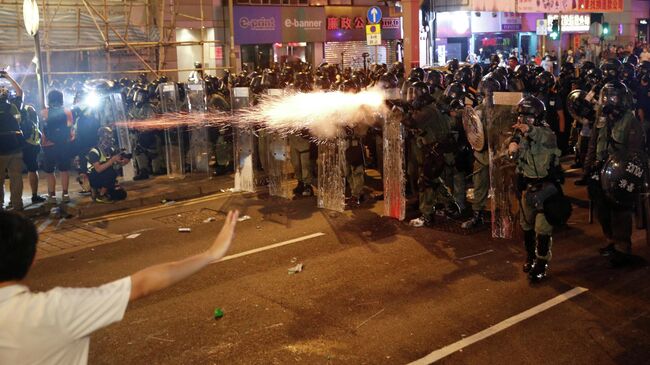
(31, 19)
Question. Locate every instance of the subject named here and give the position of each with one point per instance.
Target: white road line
(269, 247)
(450, 349)
(476, 254)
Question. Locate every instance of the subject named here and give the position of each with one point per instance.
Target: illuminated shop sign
(571, 23)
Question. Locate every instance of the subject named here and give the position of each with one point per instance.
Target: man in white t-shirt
(54, 327)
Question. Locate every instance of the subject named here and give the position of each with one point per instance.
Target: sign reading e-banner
(303, 24)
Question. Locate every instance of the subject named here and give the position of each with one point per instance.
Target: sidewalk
(140, 193)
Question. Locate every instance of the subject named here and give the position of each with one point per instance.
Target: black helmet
(628, 73)
(520, 80)
(270, 79)
(455, 95)
(417, 73)
(397, 69)
(531, 110)
(568, 68)
(322, 83)
(303, 81)
(256, 84)
(55, 98)
(593, 77)
(544, 82)
(453, 65)
(495, 59)
(611, 69)
(623, 177)
(388, 81)
(585, 67)
(464, 75)
(417, 94)
(578, 105)
(615, 99)
(434, 79)
(488, 85)
(349, 86)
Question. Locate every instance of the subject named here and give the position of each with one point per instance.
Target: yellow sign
(373, 29)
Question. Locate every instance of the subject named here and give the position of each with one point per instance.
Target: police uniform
(301, 160)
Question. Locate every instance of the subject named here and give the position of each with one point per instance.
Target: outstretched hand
(224, 239)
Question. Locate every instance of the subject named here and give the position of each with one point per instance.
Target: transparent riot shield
(504, 206)
(274, 155)
(111, 112)
(199, 152)
(331, 178)
(244, 144)
(174, 144)
(394, 167)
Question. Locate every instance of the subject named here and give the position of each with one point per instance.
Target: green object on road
(218, 313)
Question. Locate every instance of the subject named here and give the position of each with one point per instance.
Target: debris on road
(168, 202)
(218, 313)
(185, 229)
(243, 218)
(132, 236)
(371, 317)
(296, 269)
(209, 219)
(229, 190)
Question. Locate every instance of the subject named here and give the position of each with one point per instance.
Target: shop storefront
(346, 37)
(268, 34)
(501, 33)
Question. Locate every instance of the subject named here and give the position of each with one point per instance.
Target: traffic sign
(542, 27)
(374, 15)
(373, 35)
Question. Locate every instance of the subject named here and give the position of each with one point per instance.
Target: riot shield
(394, 167)
(244, 144)
(174, 144)
(110, 112)
(274, 155)
(503, 180)
(199, 152)
(331, 178)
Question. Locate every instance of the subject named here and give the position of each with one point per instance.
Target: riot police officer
(618, 133)
(535, 148)
(432, 141)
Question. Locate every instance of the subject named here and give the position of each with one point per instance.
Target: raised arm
(158, 277)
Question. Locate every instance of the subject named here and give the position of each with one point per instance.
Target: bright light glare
(92, 100)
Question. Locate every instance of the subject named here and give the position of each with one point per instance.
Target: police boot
(529, 245)
(540, 267)
(475, 221)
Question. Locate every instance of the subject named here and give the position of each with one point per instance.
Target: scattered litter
(218, 313)
(168, 202)
(230, 190)
(185, 229)
(159, 338)
(296, 269)
(209, 219)
(371, 317)
(132, 236)
(243, 218)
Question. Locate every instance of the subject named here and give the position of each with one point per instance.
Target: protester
(54, 327)
(11, 144)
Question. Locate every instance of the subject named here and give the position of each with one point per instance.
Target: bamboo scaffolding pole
(123, 40)
(161, 35)
(113, 47)
(96, 24)
(129, 71)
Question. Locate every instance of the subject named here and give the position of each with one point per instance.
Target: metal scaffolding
(108, 37)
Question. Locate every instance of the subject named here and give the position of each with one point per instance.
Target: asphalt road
(372, 291)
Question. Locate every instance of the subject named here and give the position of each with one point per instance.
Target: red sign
(348, 23)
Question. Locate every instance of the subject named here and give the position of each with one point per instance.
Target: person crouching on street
(103, 160)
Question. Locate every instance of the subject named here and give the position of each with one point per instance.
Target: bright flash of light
(92, 100)
(324, 114)
(173, 120)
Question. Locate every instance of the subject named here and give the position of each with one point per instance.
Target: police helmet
(531, 110)
(417, 73)
(495, 59)
(418, 95)
(463, 75)
(434, 79)
(323, 83)
(488, 85)
(615, 99)
(611, 69)
(593, 77)
(643, 71)
(455, 95)
(55, 98)
(628, 72)
(578, 105)
(453, 65)
(585, 67)
(388, 81)
(544, 82)
(349, 86)
(623, 177)
(633, 59)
